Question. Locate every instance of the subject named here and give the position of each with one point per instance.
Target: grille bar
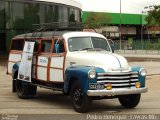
(113, 77)
(119, 73)
(118, 80)
(126, 84)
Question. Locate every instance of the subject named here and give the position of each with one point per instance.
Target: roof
(82, 34)
(62, 2)
(50, 30)
(59, 34)
(47, 34)
(65, 2)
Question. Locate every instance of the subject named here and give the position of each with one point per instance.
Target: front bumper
(122, 91)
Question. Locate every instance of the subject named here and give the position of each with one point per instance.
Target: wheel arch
(79, 73)
(73, 74)
(141, 78)
(72, 80)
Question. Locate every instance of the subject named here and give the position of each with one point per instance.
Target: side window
(17, 45)
(46, 46)
(36, 46)
(60, 42)
(100, 43)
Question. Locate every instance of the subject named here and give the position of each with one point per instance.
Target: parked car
(81, 64)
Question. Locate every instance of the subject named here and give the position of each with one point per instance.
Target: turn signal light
(108, 86)
(138, 84)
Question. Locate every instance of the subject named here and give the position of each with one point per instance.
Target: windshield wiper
(99, 49)
(85, 49)
(92, 49)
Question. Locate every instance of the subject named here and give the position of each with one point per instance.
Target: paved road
(49, 102)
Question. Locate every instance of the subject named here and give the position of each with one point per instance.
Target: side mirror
(56, 48)
(112, 45)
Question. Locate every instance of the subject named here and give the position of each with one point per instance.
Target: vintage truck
(80, 64)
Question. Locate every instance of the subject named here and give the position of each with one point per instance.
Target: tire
(14, 82)
(130, 101)
(80, 101)
(13, 86)
(25, 90)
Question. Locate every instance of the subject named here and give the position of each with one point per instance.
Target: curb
(141, 57)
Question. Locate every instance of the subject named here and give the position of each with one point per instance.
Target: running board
(48, 87)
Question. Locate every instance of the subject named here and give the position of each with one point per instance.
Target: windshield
(83, 43)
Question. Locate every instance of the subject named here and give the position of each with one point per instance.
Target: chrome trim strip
(116, 81)
(120, 85)
(134, 80)
(118, 73)
(112, 77)
(135, 75)
(122, 91)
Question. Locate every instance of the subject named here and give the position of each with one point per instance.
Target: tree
(153, 18)
(96, 20)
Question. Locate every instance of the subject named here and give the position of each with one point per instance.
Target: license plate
(95, 86)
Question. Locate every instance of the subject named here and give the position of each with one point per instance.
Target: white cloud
(128, 6)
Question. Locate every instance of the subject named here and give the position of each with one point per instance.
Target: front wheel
(130, 101)
(25, 90)
(80, 101)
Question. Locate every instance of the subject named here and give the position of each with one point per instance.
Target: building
(17, 16)
(135, 34)
(131, 25)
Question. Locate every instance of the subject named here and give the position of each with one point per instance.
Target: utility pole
(142, 28)
(120, 41)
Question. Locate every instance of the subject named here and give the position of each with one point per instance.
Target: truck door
(57, 61)
(26, 61)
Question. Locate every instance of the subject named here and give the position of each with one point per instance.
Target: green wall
(126, 19)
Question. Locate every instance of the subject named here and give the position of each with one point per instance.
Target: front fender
(79, 73)
(140, 77)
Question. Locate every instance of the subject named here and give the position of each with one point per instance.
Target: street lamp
(120, 41)
(142, 26)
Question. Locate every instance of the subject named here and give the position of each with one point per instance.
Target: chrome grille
(118, 80)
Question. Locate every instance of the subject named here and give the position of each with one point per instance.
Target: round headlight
(91, 74)
(143, 72)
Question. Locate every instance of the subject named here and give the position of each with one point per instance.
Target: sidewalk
(135, 57)
(141, 56)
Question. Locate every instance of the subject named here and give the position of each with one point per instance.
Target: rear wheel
(25, 90)
(80, 101)
(14, 81)
(130, 101)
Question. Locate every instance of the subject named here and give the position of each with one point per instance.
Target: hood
(108, 61)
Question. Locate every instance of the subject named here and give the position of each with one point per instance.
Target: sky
(127, 6)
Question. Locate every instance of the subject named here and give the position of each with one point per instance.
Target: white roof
(82, 34)
(65, 2)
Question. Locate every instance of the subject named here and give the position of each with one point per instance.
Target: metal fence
(139, 52)
(144, 47)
